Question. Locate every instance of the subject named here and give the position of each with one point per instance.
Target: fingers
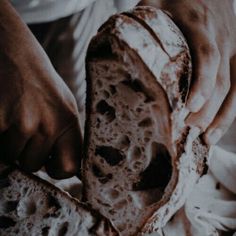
(12, 143)
(227, 113)
(35, 153)
(206, 59)
(32, 152)
(66, 156)
(200, 33)
(30, 143)
(222, 121)
(206, 115)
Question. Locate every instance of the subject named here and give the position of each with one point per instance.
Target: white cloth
(228, 142)
(210, 210)
(39, 11)
(123, 5)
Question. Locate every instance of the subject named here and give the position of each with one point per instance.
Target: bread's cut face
(32, 207)
(141, 160)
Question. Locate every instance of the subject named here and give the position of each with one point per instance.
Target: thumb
(66, 154)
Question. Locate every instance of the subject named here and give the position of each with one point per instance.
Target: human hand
(38, 113)
(209, 27)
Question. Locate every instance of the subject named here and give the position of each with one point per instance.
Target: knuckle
(206, 122)
(72, 169)
(26, 128)
(195, 16)
(208, 88)
(226, 123)
(224, 86)
(210, 49)
(73, 108)
(48, 131)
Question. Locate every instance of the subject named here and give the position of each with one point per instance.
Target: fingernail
(213, 136)
(196, 103)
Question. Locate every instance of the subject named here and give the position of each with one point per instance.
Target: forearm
(15, 37)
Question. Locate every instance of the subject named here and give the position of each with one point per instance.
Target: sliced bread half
(31, 206)
(141, 159)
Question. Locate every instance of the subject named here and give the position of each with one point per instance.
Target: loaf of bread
(30, 206)
(141, 159)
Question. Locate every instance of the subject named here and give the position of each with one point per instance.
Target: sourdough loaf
(141, 160)
(31, 206)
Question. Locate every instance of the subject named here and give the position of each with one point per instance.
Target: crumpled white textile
(210, 210)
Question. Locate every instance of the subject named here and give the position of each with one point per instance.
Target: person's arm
(38, 113)
(209, 27)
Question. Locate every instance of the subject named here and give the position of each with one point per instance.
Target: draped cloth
(210, 210)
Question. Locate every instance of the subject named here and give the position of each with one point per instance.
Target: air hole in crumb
(102, 203)
(114, 194)
(111, 155)
(112, 89)
(120, 204)
(10, 206)
(63, 229)
(129, 198)
(138, 86)
(102, 177)
(136, 154)
(25, 190)
(6, 222)
(97, 172)
(105, 109)
(106, 94)
(26, 207)
(112, 212)
(53, 202)
(147, 122)
(158, 172)
(124, 142)
(146, 140)
(53, 205)
(99, 83)
(148, 134)
(139, 109)
(137, 165)
(29, 225)
(122, 227)
(45, 231)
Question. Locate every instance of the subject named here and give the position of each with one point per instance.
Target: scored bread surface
(141, 160)
(30, 206)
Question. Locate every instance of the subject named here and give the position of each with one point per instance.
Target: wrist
(15, 38)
